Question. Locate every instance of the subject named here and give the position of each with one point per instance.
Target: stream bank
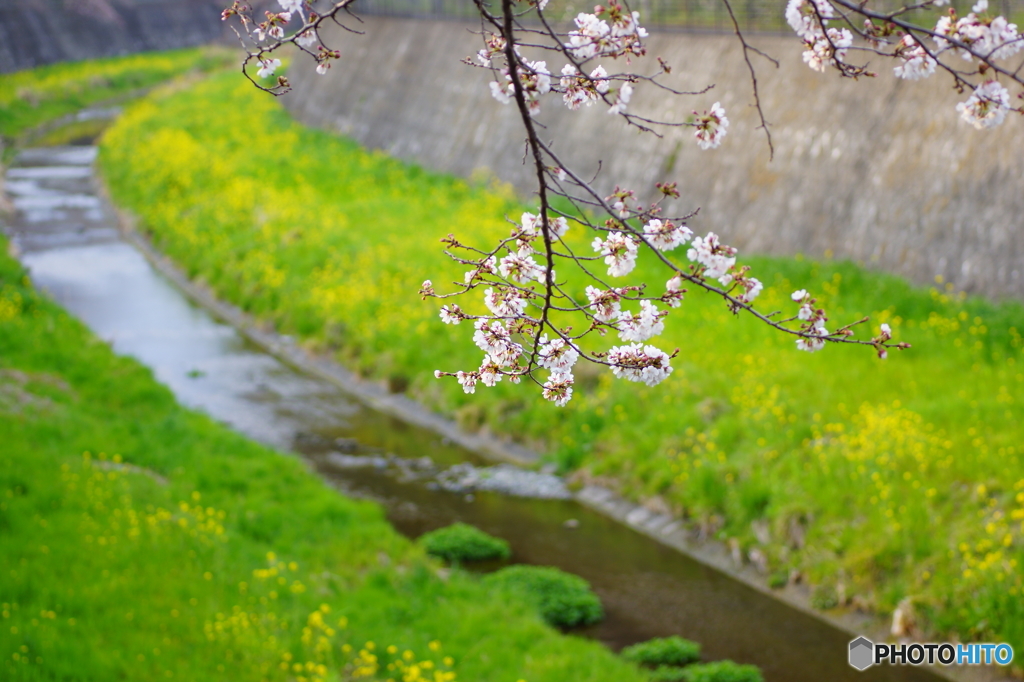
(649, 589)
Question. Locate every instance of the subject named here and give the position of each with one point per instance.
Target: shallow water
(66, 237)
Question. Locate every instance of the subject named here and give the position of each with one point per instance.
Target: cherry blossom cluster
(812, 321)
(994, 37)
(825, 46)
(982, 39)
(534, 79)
(986, 107)
(612, 32)
(296, 24)
(579, 91)
(917, 63)
(609, 32)
(711, 127)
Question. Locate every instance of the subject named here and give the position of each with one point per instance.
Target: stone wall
(879, 170)
(37, 32)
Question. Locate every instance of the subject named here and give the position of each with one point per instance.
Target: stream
(66, 235)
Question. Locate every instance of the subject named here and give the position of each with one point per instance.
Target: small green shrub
(668, 673)
(722, 671)
(663, 651)
(563, 599)
(461, 542)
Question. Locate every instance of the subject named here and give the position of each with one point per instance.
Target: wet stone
(505, 479)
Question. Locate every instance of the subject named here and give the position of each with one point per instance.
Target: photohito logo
(864, 653)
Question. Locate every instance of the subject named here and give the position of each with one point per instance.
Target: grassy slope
(121, 567)
(904, 476)
(29, 98)
(208, 553)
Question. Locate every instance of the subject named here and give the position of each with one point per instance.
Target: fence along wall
(878, 170)
(694, 15)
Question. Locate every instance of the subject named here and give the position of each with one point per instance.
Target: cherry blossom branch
(747, 49)
(531, 313)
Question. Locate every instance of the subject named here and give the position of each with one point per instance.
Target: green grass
(461, 542)
(878, 480)
(35, 96)
(673, 651)
(721, 671)
(143, 541)
(562, 599)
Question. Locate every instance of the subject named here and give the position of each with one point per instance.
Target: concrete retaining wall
(878, 170)
(37, 32)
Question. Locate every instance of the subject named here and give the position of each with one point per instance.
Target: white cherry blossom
(268, 67)
(558, 388)
(606, 304)
(307, 39)
(828, 49)
(814, 343)
(620, 252)
(556, 354)
(492, 338)
(622, 97)
(986, 107)
(531, 225)
(505, 302)
(490, 373)
(674, 292)
(520, 269)
(468, 380)
(579, 90)
(917, 63)
(752, 288)
(594, 37)
(535, 80)
(640, 363)
(451, 314)
(643, 326)
(803, 17)
(716, 258)
(711, 127)
(665, 235)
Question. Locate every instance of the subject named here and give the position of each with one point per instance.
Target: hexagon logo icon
(862, 653)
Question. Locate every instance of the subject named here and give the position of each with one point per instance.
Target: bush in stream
(663, 651)
(563, 599)
(462, 542)
(722, 671)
